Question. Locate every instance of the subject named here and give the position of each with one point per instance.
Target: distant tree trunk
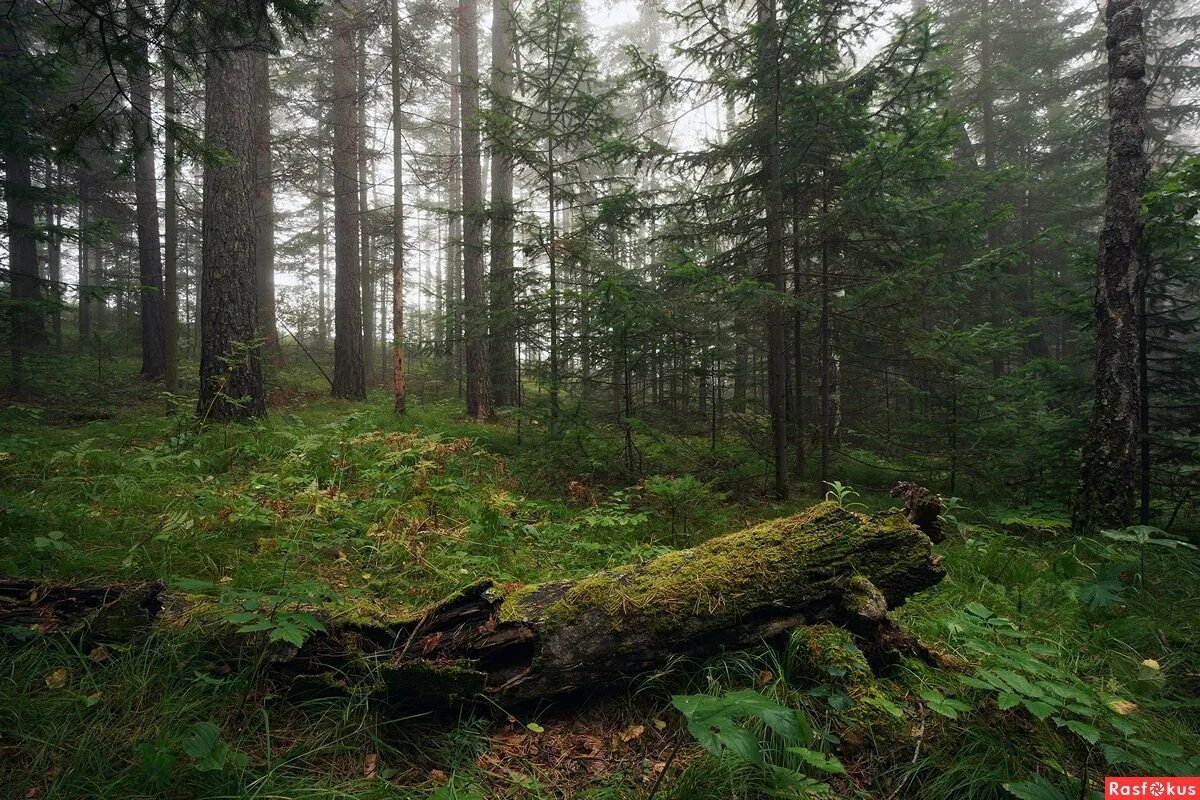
(798, 337)
(54, 250)
(773, 172)
(349, 379)
(988, 133)
(231, 384)
(454, 253)
(399, 388)
(364, 212)
(84, 182)
(1106, 498)
(264, 209)
(474, 296)
(28, 323)
(502, 350)
(322, 238)
(150, 290)
(171, 233)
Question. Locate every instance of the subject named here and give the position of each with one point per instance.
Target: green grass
(347, 507)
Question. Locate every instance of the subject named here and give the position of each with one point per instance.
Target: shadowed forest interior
(603, 399)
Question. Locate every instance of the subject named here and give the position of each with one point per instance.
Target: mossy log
(824, 566)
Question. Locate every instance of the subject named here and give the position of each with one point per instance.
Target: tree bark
(564, 638)
(364, 210)
(772, 167)
(28, 333)
(170, 234)
(502, 346)
(264, 209)
(1106, 498)
(474, 297)
(231, 384)
(399, 387)
(349, 378)
(150, 268)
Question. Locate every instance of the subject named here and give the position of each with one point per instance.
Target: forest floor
(1065, 658)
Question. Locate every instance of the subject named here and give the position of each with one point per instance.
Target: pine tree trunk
(264, 209)
(773, 174)
(28, 330)
(1106, 498)
(474, 293)
(54, 251)
(83, 180)
(231, 384)
(170, 234)
(366, 270)
(399, 387)
(502, 349)
(452, 286)
(150, 269)
(349, 378)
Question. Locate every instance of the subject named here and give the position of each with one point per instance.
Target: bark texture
(231, 384)
(399, 386)
(264, 209)
(170, 233)
(150, 266)
(514, 644)
(474, 299)
(349, 377)
(1107, 495)
(502, 345)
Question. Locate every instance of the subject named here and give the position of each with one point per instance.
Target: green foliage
(713, 720)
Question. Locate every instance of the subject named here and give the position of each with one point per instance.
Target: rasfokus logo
(1153, 788)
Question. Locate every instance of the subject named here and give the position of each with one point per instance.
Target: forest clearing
(631, 399)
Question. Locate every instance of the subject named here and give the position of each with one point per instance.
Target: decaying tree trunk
(512, 644)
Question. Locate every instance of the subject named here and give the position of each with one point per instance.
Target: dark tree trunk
(474, 295)
(502, 346)
(773, 173)
(54, 250)
(150, 270)
(399, 388)
(171, 234)
(84, 182)
(28, 332)
(349, 379)
(1106, 498)
(264, 209)
(579, 637)
(364, 212)
(231, 384)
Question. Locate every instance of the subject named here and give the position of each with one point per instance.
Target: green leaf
(821, 761)
(1086, 732)
(288, 632)
(940, 704)
(1007, 700)
(157, 762)
(1038, 709)
(204, 744)
(979, 610)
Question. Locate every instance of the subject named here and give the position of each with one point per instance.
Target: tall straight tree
(231, 384)
(474, 299)
(349, 378)
(366, 278)
(170, 232)
(264, 208)
(150, 269)
(399, 388)
(502, 350)
(772, 173)
(1110, 457)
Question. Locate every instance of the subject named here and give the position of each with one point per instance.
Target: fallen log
(519, 643)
